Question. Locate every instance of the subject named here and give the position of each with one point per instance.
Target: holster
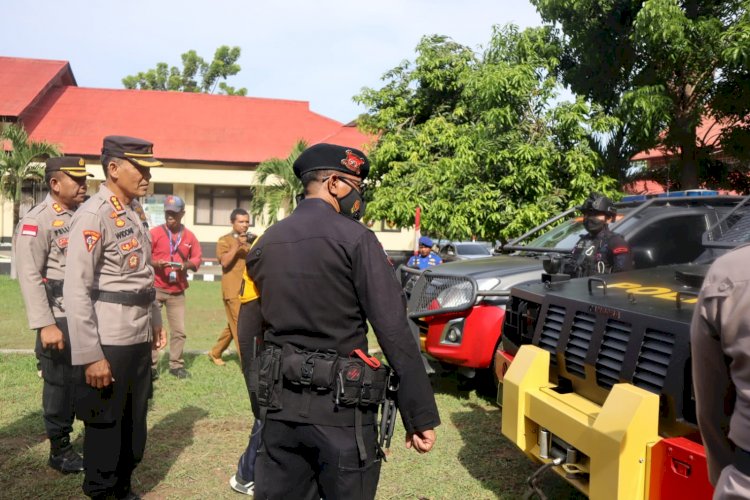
(358, 384)
(265, 378)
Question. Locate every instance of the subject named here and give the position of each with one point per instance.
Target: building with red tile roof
(210, 144)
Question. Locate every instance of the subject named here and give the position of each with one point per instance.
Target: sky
(320, 51)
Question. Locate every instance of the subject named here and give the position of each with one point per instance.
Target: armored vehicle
(596, 376)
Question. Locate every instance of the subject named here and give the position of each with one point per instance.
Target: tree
(660, 65)
(277, 187)
(19, 164)
(196, 75)
(476, 140)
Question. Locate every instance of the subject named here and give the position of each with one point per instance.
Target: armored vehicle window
(671, 240)
(563, 236)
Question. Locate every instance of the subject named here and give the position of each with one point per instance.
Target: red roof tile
(182, 126)
(22, 81)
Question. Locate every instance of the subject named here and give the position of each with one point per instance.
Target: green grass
(199, 427)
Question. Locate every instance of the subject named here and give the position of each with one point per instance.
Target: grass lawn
(199, 427)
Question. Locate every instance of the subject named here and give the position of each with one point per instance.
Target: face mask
(352, 205)
(592, 224)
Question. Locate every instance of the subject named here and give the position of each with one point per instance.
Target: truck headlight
(458, 295)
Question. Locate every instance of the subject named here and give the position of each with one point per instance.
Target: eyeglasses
(360, 186)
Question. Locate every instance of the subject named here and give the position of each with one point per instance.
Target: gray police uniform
(111, 312)
(720, 345)
(39, 247)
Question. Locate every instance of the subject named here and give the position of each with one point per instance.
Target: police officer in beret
(40, 246)
(599, 251)
(321, 276)
(425, 257)
(113, 317)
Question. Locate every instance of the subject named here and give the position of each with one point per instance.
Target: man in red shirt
(175, 251)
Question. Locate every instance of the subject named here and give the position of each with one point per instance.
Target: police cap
(599, 203)
(74, 166)
(332, 157)
(137, 151)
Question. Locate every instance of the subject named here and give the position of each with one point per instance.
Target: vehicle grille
(439, 293)
(612, 353)
(653, 360)
(578, 343)
(553, 323)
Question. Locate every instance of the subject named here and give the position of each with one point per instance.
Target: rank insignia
(133, 261)
(116, 204)
(141, 214)
(57, 208)
(91, 238)
(58, 223)
(119, 222)
(130, 245)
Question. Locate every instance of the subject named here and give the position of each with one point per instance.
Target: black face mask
(592, 224)
(352, 205)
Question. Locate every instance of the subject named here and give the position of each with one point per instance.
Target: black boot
(62, 457)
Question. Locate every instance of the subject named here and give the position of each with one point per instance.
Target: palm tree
(18, 165)
(277, 186)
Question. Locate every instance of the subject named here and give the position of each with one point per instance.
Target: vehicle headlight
(458, 295)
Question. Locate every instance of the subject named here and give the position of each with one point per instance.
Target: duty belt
(143, 298)
(742, 461)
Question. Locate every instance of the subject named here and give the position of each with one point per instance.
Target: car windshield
(472, 249)
(563, 236)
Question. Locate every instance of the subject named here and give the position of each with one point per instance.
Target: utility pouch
(358, 384)
(265, 378)
(311, 369)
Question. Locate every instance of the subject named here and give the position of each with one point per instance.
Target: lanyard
(173, 245)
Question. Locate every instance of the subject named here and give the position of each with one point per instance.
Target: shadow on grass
(21, 434)
(166, 442)
(486, 451)
(231, 359)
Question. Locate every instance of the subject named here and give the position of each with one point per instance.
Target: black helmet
(597, 202)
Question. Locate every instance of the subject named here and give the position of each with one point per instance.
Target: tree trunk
(684, 134)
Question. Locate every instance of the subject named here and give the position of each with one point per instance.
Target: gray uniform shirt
(720, 345)
(109, 250)
(39, 247)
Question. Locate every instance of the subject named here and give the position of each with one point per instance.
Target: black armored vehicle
(596, 375)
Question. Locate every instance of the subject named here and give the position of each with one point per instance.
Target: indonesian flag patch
(90, 238)
(29, 230)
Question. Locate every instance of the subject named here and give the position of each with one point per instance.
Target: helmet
(597, 202)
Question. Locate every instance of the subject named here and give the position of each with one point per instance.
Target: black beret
(135, 150)
(75, 166)
(332, 157)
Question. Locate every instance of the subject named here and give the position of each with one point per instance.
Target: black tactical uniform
(321, 276)
(599, 251)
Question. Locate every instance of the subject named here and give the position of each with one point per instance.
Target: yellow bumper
(616, 437)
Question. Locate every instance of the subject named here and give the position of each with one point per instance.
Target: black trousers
(308, 461)
(115, 419)
(58, 393)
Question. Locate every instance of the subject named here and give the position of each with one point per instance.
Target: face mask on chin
(592, 224)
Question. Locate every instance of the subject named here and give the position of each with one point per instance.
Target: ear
(54, 185)
(114, 169)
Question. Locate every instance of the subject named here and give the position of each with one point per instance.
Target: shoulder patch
(620, 250)
(29, 230)
(91, 238)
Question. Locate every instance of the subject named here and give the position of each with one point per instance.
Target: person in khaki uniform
(39, 248)
(720, 346)
(113, 317)
(231, 251)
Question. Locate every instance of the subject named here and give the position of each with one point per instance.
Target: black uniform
(602, 253)
(321, 276)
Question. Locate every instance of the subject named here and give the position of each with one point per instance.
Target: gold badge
(116, 204)
(119, 222)
(57, 208)
(58, 223)
(133, 261)
(130, 245)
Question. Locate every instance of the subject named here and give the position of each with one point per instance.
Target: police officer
(720, 346)
(113, 317)
(40, 245)
(425, 257)
(321, 275)
(599, 251)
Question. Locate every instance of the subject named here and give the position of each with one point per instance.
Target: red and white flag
(29, 230)
(417, 231)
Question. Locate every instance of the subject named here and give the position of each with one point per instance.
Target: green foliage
(660, 66)
(196, 75)
(477, 141)
(20, 163)
(277, 187)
